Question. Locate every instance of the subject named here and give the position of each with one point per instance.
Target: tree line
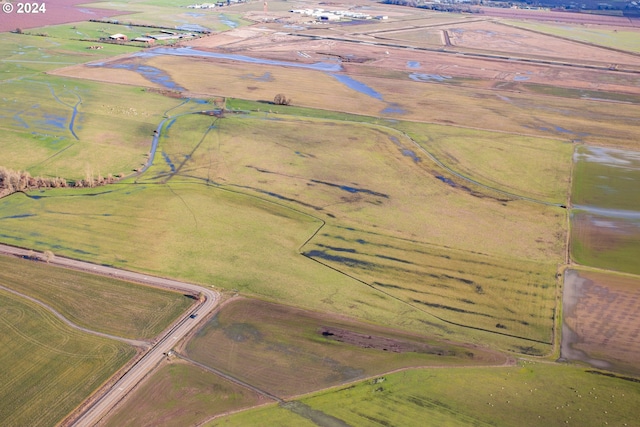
(14, 181)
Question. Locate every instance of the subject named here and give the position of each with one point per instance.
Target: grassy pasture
(179, 394)
(531, 394)
(282, 350)
(24, 55)
(536, 168)
(528, 395)
(623, 39)
(211, 236)
(502, 295)
(39, 114)
(95, 302)
(248, 86)
(512, 297)
(308, 164)
(601, 309)
(94, 31)
(49, 368)
(271, 416)
(284, 165)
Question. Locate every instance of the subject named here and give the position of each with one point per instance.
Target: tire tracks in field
(98, 405)
(230, 378)
(135, 343)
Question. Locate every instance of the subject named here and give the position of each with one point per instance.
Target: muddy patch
(601, 324)
(317, 417)
(378, 342)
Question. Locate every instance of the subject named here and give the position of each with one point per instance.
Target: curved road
(104, 402)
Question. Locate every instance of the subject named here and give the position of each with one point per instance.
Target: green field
(49, 368)
(99, 303)
(307, 164)
(198, 235)
(179, 394)
(55, 126)
(283, 159)
(534, 168)
(224, 180)
(531, 394)
(27, 55)
(429, 214)
(94, 31)
(511, 297)
(40, 116)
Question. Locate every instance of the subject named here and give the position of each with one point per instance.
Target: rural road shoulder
(102, 403)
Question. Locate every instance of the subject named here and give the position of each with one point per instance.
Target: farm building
(170, 36)
(118, 37)
(148, 40)
(328, 17)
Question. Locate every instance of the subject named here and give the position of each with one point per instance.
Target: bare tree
(48, 256)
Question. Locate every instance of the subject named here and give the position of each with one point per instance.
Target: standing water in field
(183, 51)
(606, 208)
(356, 85)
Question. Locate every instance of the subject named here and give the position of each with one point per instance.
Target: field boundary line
(135, 343)
(586, 43)
(230, 378)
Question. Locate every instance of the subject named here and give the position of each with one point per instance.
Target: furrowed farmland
(102, 304)
(50, 368)
(48, 359)
(377, 218)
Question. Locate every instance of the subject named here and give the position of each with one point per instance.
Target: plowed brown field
(58, 12)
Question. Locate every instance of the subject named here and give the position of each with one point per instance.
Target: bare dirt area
(56, 12)
(481, 54)
(506, 44)
(378, 342)
(602, 321)
(490, 36)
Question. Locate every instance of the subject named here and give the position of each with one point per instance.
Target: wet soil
(379, 342)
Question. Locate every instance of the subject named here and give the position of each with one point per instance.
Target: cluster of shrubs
(14, 181)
